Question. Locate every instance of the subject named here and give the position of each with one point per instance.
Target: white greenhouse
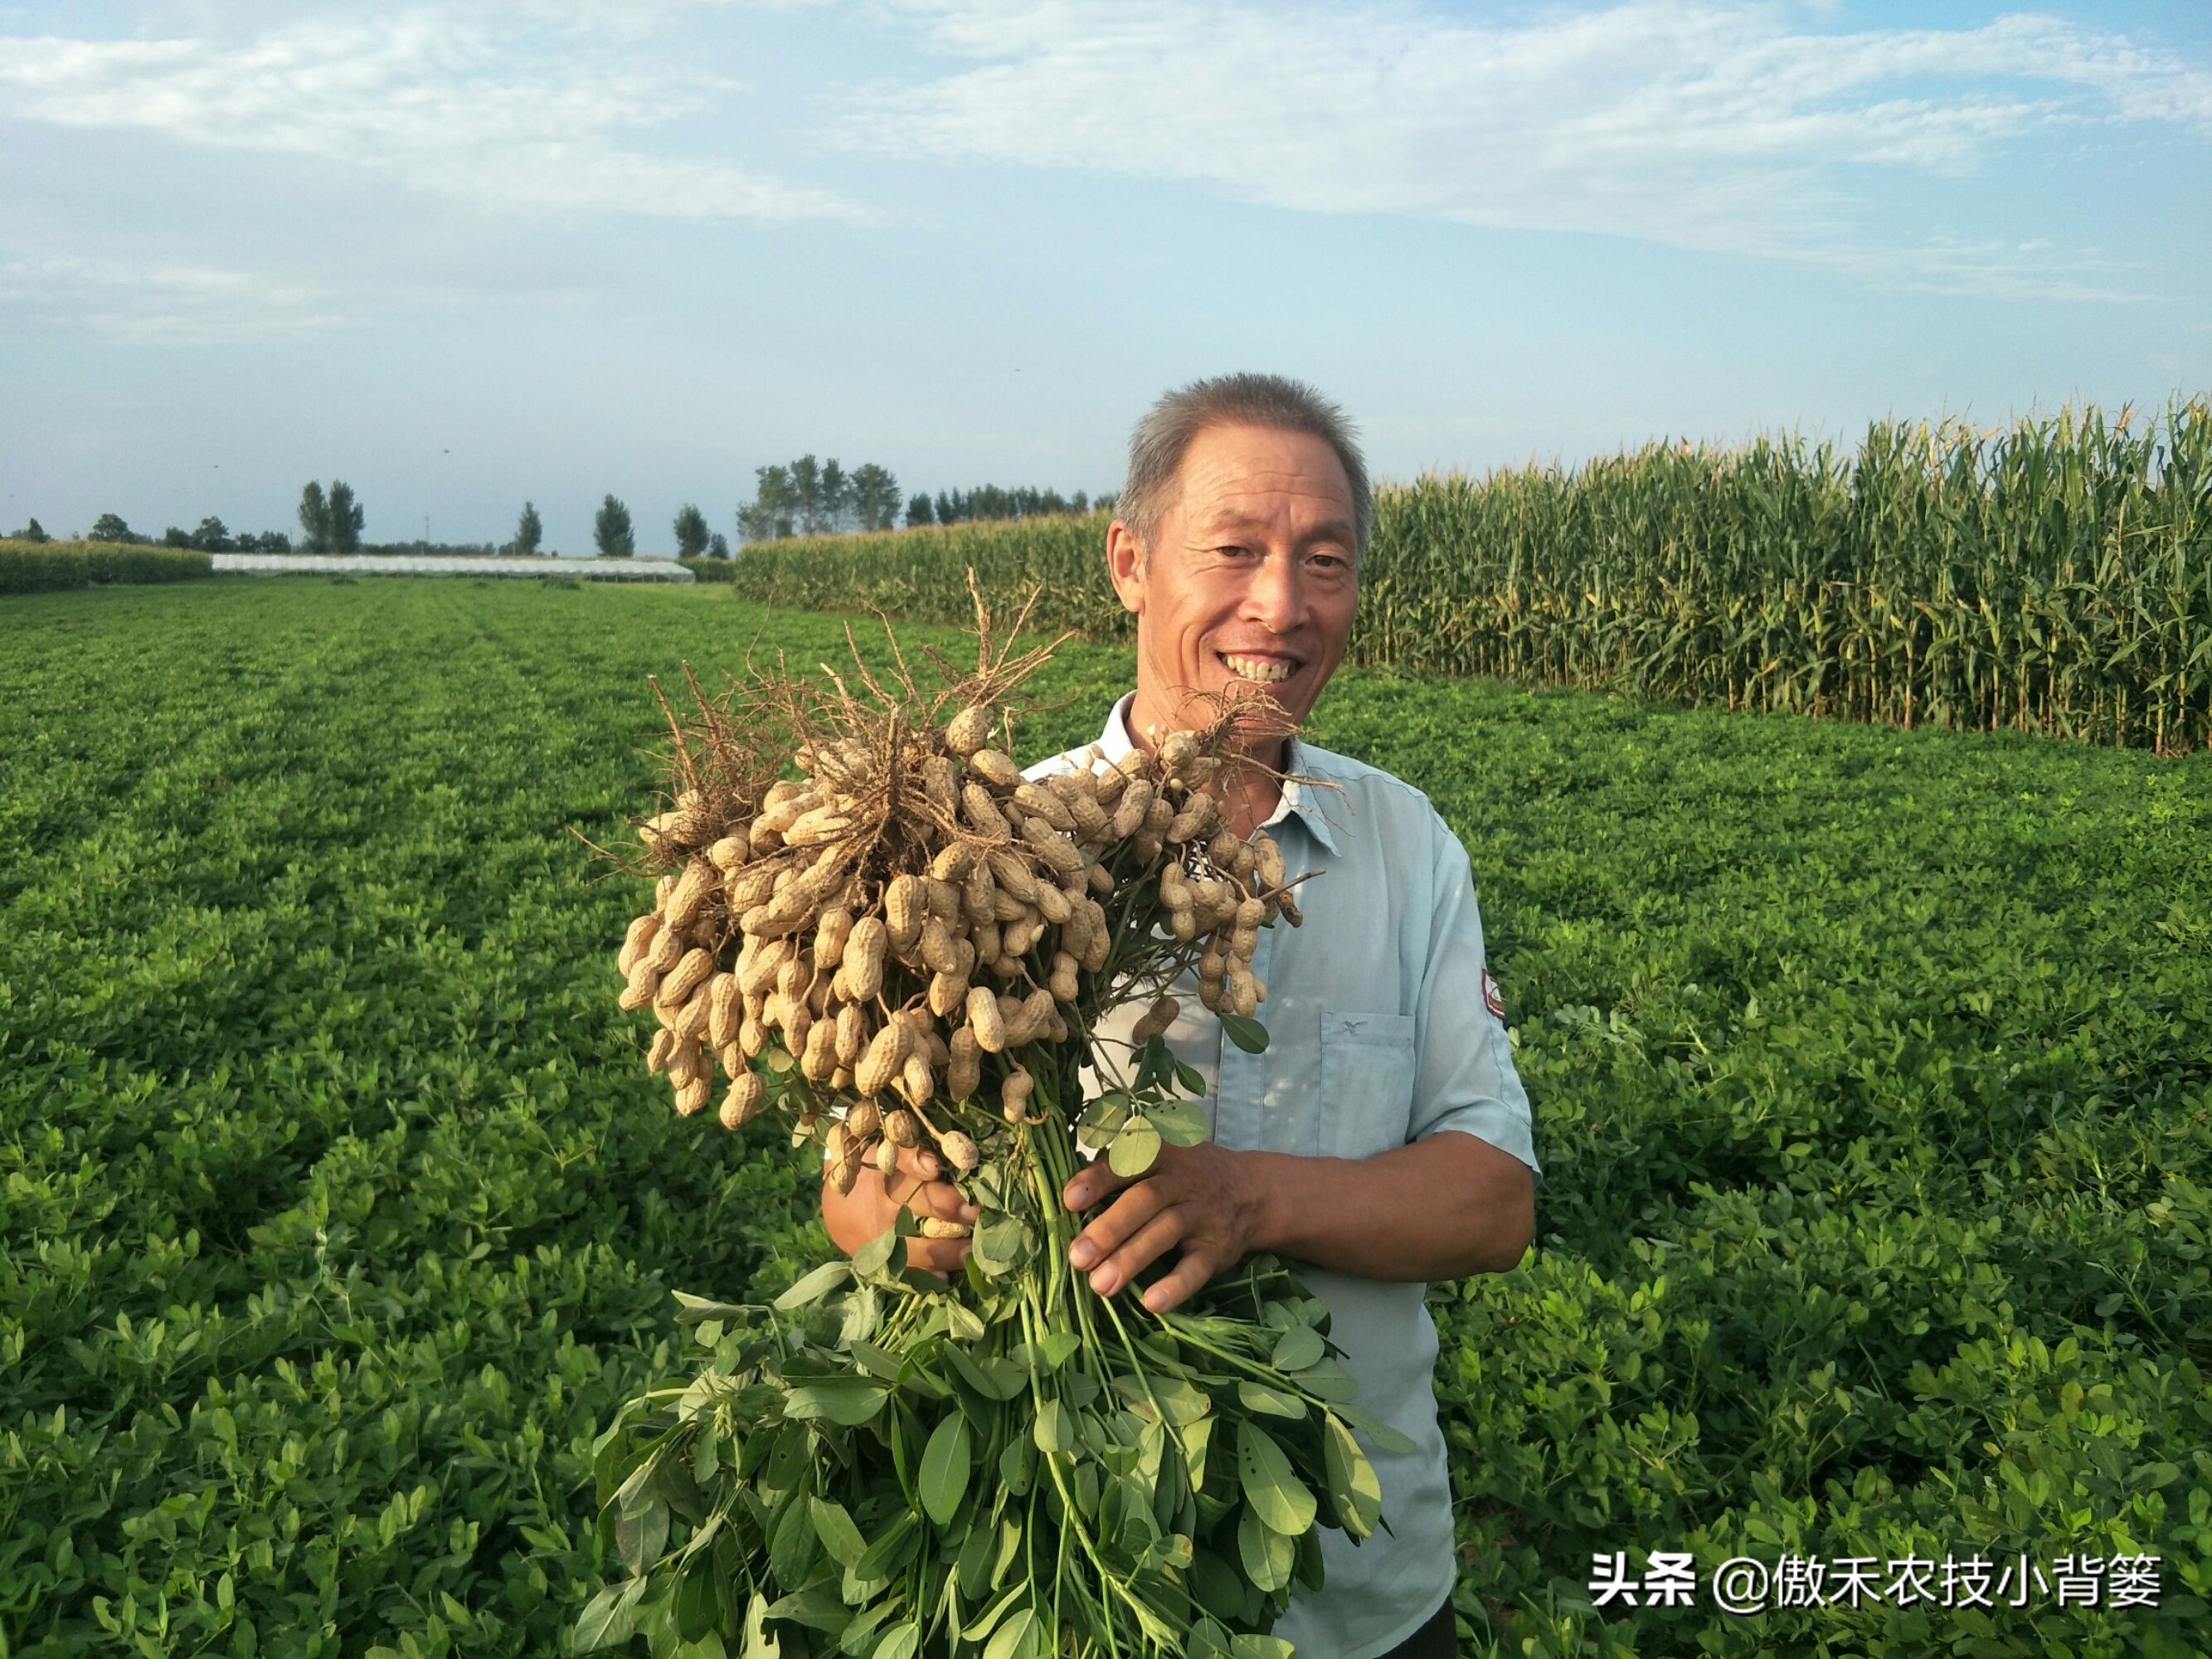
(400, 564)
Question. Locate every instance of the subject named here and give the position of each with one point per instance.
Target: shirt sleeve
(1465, 1079)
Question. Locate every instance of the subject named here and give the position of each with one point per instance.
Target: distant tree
(269, 541)
(110, 527)
(807, 495)
(314, 519)
(917, 510)
(691, 533)
(811, 497)
(773, 511)
(529, 529)
(875, 497)
(345, 518)
(611, 531)
(33, 531)
(1081, 503)
(173, 536)
(718, 546)
(212, 536)
(1104, 503)
(837, 497)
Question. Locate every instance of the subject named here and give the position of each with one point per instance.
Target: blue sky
(464, 254)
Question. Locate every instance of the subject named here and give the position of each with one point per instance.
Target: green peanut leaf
(1271, 1486)
(1053, 1431)
(1354, 1491)
(817, 1284)
(1247, 1034)
(1135, 1148)
(848, 1401)
(1266, 1554)
(1179, 1122)
(888, 1554)
(1270, 1403)
(791, 1542)
(1014, 1467)
(1299, 1347)
(834, 1527)
(1015, 1639)
(609, 1619)
(944, 1469)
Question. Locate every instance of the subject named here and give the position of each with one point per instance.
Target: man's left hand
(1198, 1199)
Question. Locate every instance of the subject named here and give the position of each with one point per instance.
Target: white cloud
(173, 303)
(1701, 125)
(437, 102)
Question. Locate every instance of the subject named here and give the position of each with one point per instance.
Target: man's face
(1250, 583)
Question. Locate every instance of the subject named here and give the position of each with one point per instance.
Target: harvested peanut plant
(866, 918)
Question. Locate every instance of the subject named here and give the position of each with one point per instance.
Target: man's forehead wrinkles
(1254, 505)
(1331, 517)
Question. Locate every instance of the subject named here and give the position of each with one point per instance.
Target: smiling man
(1383, 1140)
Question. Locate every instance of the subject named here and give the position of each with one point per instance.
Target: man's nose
(1275, 597)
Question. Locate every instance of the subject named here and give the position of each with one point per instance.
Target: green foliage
(314, 518)
(529, 531)
(819, 498)
(875, 497)
(1139, 1502)
(339, 1214)
(110, 527)
(48, 567)
(344, 517)
(611, 531)
(691, 533)
(34, 532)
(2055, 577)
(991, 501)
(329, 522)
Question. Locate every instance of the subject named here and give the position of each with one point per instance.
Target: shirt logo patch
(1493, 998)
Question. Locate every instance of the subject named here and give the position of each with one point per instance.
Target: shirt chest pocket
(1368, 1063)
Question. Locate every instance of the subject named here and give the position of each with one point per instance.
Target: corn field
(2054, 576)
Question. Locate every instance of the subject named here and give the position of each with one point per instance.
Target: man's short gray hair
(1162, 439)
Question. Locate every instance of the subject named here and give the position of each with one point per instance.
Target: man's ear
(1125, 566)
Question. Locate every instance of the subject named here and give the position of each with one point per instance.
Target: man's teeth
(1263, 670)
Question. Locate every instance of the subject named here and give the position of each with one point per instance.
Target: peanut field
(1872, 1070)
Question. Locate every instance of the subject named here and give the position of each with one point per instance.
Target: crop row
(52, 567)
(2055, 576)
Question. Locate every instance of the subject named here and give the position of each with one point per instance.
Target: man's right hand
(871, 1208)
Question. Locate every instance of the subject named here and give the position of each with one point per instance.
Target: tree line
(212, 536)
(994, 502)
(802, 497)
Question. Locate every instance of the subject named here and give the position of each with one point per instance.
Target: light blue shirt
(1379, 1035)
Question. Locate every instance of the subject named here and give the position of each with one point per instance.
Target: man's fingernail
(1080, 1253)
(1103, 1281)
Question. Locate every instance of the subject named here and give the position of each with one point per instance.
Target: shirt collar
(1297, 800)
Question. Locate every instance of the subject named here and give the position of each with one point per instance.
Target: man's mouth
(1260, 671)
